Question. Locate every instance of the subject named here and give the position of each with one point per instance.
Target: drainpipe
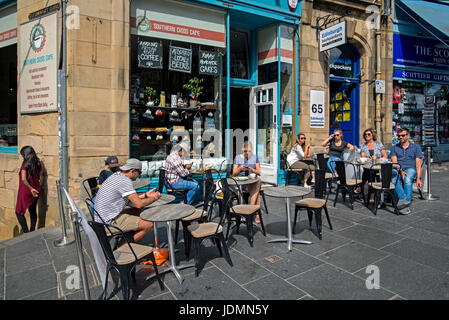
(378, 119)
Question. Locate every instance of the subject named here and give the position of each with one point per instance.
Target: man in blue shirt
(409, 156)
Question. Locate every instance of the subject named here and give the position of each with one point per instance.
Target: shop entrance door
(264, 137)
(343, 106)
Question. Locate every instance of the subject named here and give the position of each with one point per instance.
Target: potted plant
(151, 93)
(195, 90)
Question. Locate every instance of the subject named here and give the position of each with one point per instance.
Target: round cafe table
(241, 182)
(168, 213)
(287, 192)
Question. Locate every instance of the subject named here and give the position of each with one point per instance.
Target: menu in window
(180, 59)
(208, 63)
(428, 122)
(149, 54)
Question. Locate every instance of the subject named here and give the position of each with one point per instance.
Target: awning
(8, 26)
(435, 14)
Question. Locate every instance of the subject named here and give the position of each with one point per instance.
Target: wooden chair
(91, 186)
(385, 186)
(330, 177)
(315, 205)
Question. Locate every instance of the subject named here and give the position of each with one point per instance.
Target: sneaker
(405, 211)
(403, 204)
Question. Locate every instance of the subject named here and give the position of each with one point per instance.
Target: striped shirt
(174, 168)
(112, 196)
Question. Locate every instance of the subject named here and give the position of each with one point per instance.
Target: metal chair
(315, 205)
(123, 259)
(347, 185)
(330, 177)
(213, 230)
(384, 186)
(91, 186)
(239, 211)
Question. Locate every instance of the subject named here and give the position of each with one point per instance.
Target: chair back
(225, 204)
(91, 186)
(99, 229)
(321, 161)
(90, 207)
(320, 184)
(341, 171)
(229, 167)
(209, 188)
(161, 183)
(386, 174)
(233, 187)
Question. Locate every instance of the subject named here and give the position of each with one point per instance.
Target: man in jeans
(409, 156)
(176, 171)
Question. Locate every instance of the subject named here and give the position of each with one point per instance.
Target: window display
(174, 88)
(408, 107)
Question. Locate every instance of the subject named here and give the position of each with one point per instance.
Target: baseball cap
(132, 164)
(112, 161)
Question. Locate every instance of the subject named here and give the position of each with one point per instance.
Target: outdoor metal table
(137, 184)
(288, 192)
(163, 199)
(168, 213)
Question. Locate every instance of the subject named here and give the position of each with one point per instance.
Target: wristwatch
(146, 195)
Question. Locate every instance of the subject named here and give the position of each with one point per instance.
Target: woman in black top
(336, 148)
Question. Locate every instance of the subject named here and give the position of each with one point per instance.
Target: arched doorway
(344, 92)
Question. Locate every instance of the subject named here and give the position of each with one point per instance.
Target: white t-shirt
(295, 155)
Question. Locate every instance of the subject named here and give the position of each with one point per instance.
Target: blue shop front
(213, 74)
(421, 74)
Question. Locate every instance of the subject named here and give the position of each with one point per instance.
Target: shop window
(161, 102)
(240, 55)
(267, 73)
(8, 92)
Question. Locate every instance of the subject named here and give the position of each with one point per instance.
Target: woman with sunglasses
(296, 158)
(336, 148)
(370, 148)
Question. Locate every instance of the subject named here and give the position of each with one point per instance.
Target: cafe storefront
(213, 75)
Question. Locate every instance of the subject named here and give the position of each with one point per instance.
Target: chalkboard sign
(209, 63)
(149, 54)
(180, 59)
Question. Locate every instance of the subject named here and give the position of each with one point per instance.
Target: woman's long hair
(298, 142)
(31, 162)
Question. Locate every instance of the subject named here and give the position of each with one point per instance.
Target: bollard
(79, 248)
(64, 240)
(430, 197)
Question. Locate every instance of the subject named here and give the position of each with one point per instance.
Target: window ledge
(6, 149)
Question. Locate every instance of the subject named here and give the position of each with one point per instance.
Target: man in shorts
(117, 192)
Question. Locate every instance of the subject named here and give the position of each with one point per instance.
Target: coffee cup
(252, 175)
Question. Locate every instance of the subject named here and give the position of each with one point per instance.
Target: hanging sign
(180, 59)
(38, 57)
(209, 63)
(149, 54)
(292, 4)
(333, 37)
(316, 109)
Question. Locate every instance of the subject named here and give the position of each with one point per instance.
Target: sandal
(257, 219)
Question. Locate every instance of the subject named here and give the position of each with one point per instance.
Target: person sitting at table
(336, 148)
(245, 164)
(409, 156)
(112, 165)
(176, 172)
(297, 158)
(117, 192)
(371, 149)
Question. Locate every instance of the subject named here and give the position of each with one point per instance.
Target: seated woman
(245, 164)
(336, 148)
(297, 158)
(112, 166)
(373, 149)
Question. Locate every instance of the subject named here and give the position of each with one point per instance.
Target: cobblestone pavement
(410, 252)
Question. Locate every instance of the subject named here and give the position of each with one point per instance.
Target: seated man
(116, 192)
(176, 172)
(245, 164)
(409, 156)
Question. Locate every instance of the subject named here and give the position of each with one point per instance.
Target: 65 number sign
(316, 109)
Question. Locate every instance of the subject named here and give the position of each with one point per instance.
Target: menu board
(208, 63)
(429, 122)
(149, 54)
(180, 59)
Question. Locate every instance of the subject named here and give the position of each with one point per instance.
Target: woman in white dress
(297, 158)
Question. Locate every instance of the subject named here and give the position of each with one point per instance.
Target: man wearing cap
(118, 191)
(112, 166)
(176, 171)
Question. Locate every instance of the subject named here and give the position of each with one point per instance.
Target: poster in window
(180, 59)
(208, 63)
(149, 54)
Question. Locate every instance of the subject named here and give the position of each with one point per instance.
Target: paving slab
(370, 236)
(279, 289)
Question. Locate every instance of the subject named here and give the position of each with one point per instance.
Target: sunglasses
(337, 135)
(140, 172)
(302, 138)
(401, 135)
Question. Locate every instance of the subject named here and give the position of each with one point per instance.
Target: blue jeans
(404, 192)
(191, 187)
(331, 164)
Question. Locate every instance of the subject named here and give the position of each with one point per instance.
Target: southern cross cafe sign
(38, 65)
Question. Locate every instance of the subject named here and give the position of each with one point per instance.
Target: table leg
(290, 239)
(173, 267)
